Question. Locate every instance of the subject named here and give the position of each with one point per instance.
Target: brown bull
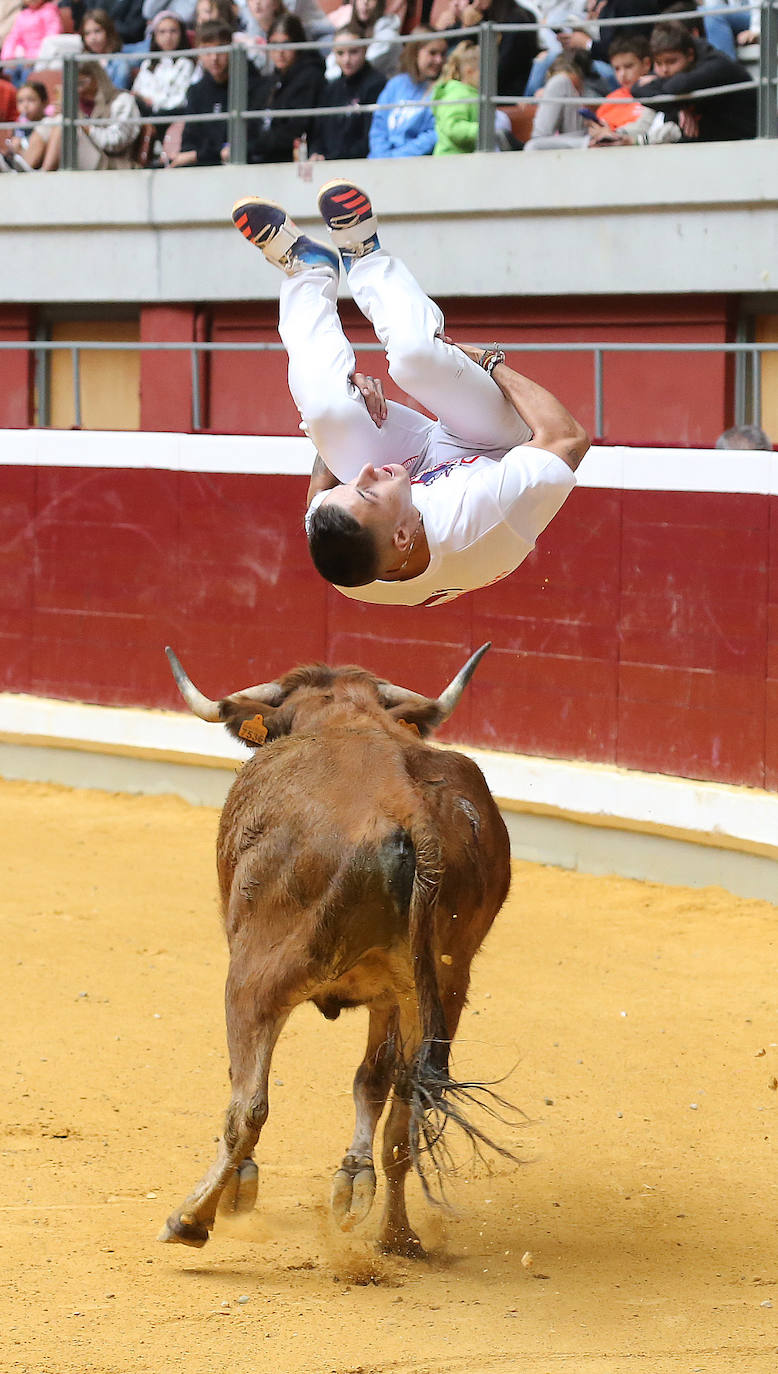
(358, 866)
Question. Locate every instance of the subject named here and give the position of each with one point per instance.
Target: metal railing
(747, 356)
(238, 115)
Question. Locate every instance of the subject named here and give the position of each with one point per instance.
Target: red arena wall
(643, 631)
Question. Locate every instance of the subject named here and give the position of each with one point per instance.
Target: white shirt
(481, 519)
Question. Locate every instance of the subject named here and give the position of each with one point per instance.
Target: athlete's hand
(372, 392)
(469, 349)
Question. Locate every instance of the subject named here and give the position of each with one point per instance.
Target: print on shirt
(426, 479)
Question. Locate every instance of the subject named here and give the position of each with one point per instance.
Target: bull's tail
(437, 1100)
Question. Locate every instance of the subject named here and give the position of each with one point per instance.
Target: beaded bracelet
(490, 357)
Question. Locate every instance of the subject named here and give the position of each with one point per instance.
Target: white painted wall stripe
(618, 468)
(740, 817)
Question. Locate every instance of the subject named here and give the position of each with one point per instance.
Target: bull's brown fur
(357, 866)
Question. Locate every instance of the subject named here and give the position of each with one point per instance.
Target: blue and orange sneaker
(270, 229)
(348, 214)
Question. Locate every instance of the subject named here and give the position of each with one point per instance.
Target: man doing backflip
(402, 509)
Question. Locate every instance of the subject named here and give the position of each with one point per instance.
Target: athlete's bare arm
(553, 427)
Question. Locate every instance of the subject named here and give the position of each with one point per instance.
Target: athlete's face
(380, 499)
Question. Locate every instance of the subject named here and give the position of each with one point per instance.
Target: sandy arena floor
(642, 1022)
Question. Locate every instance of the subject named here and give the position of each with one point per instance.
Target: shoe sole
(354, 222)
(276, 241)
(240, 215)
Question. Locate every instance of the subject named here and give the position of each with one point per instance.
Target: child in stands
(99, 36)
(347, 135)
(165, 76)
(36, 21)
(22, 151)
(630, 58)
(202, 143)
(367, 19)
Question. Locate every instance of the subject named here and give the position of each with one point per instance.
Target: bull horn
(200, 705)
(268, 692)
(448, 699)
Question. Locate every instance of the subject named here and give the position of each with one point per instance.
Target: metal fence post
(197, 416)
(599, 421)
(42, 375)
(76, 357)
(756, 386)
(767, 125)
(69, 154)
(488, 43)
(238, 99)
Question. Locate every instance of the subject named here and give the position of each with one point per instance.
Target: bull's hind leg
(251, 1050)
(396, 1236)
(353, 1187)
(240, 1192)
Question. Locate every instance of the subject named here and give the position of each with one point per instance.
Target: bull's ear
(418, 715)
(252, 722)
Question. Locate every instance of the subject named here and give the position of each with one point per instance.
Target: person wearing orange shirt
(620, 123)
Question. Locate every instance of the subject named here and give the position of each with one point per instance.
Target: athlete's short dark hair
(343, 551)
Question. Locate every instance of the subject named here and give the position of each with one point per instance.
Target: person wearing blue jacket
(402, 127)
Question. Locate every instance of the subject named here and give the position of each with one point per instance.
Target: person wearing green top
(457, 124)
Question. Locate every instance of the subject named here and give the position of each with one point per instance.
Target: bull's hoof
(240, 1193)
(352, 1196)
(179, 1230)
(401, 1241)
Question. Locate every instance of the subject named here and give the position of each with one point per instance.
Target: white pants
(474, 416)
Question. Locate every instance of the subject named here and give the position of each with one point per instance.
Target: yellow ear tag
(410, 725)
(254, 730)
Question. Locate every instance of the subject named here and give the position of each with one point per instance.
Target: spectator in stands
(683, 64)
(597, 47)
(573, 34)
(183, 9)
(223, 10)
(456, 124)
(32, 99)
(202, 143)
(693, 22)
(8, 12)
(367, 19)
(347, 135)
(258, 19)
(315, 22)
(558, 123)
(7, 101)
(163, 81)
(745, 437)
(619, 123)
(516, 51)
(100, 146)
(99, 36)
(36, 21)
(731, 30)
(127, 15)
(295, 84)
(404, 125)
